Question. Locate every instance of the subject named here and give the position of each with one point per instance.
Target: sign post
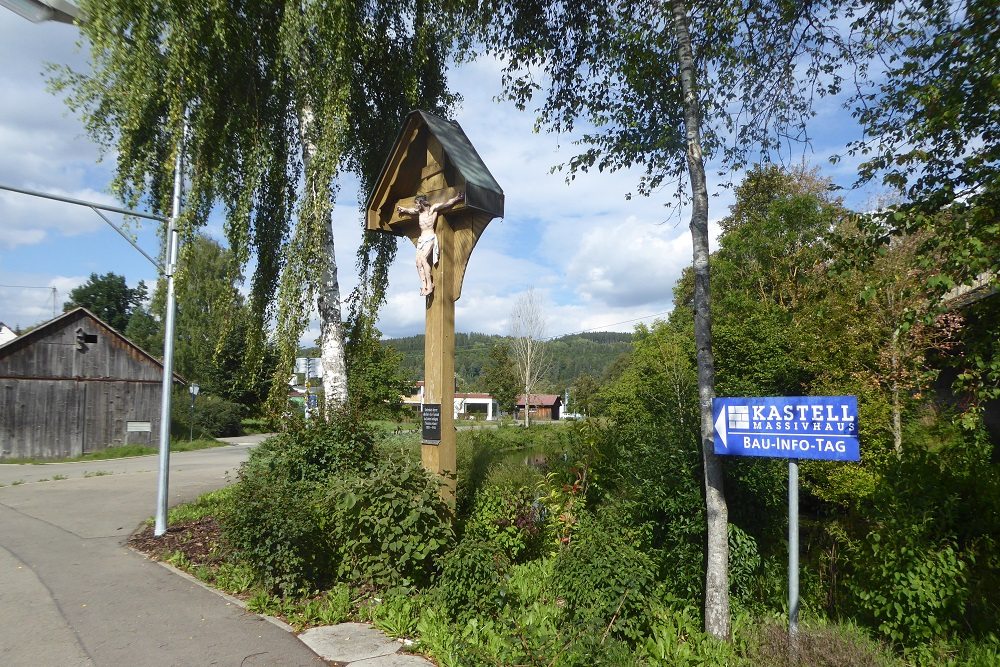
(823, 428)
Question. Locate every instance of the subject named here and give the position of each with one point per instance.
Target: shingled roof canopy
(406, 166)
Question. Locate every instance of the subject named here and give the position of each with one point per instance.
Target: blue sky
(599, 261)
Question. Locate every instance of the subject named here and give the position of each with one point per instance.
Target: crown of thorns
(421, 199)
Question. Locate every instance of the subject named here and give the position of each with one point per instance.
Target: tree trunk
(717, 556)
(332, 353)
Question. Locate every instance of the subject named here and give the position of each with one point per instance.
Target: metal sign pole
(793, 556)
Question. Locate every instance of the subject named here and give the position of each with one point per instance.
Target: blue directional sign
(788, 427)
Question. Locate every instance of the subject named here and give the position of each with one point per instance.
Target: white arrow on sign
(720, 427)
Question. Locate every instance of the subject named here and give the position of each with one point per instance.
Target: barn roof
(26, 339)
(541, 399)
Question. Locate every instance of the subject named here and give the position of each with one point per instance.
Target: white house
(467, 405)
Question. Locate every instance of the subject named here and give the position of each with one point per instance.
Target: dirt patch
(198, 540)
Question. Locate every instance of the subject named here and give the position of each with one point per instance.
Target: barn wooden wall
(57, 400)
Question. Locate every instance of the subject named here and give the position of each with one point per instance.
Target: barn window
(83, 339)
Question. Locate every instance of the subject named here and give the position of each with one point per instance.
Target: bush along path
(585, 552)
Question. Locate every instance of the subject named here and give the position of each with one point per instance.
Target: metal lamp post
(194, 388)
(63, 11)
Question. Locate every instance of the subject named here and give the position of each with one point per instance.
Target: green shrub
(604, 581)
(275, 522)
(909, 591)
(388, 522)
(473, 579)
(744, 565)
(314, 450)
(214, 417)
(511, 518)
(274, 527)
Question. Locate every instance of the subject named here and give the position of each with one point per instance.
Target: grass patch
(121, 452)
(56, 478)
(96, 473)
(208, 504)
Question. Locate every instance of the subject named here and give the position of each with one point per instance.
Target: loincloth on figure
(430, 239)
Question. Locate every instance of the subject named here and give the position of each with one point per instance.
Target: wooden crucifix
(435, 190)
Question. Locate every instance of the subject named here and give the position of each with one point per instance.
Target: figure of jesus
(427, 243)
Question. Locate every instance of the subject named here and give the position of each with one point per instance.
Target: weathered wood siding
(59, 400)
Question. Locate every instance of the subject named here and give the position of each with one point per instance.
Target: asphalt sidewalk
(71, 593)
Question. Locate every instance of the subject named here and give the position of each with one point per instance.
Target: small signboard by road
(791, 427)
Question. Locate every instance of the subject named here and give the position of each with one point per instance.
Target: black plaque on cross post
(432, 423)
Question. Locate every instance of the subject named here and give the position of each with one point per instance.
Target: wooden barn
(541, 406)
(75, 385)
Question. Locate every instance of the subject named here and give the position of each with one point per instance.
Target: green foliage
(330, 608)
(312, 451)
(275, 522)
(397, 614)
(911, 592)
(744, 565)
(234, 577)
(509, 516)
(213, 416)
(605, 581)
(213, 503)
(388, 523)
(591, 353)
(273, 525)
(473, 579)
(109, 298)
(499, 378)
(675, 639)
(375, 381)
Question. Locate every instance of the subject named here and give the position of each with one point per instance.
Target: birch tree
(280, 99)
(664, 85)
(527, 346)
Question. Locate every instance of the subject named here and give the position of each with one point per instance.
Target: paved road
(72, 594)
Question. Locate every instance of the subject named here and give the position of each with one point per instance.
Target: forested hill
(572, 356)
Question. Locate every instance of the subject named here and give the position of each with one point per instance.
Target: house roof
(45, 328)
(545, 400)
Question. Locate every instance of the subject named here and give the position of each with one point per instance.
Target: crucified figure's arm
(448, 204)
(407, 211)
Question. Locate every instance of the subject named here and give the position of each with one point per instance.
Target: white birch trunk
(717, 621)
(332, 351)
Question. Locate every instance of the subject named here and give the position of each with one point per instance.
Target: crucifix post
(439, 367)
(435, 190)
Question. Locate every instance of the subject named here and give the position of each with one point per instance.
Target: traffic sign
(790, 427)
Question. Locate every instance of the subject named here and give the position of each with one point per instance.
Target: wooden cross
(432, 157)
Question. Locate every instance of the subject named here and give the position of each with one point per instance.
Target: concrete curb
(336, 644)
(232, 599)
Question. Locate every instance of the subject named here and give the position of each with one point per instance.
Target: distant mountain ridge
(572, 356)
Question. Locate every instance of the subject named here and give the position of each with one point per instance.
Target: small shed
(74, 385)
(541, 406)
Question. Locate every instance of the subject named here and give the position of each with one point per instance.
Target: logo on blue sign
(792, 427)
